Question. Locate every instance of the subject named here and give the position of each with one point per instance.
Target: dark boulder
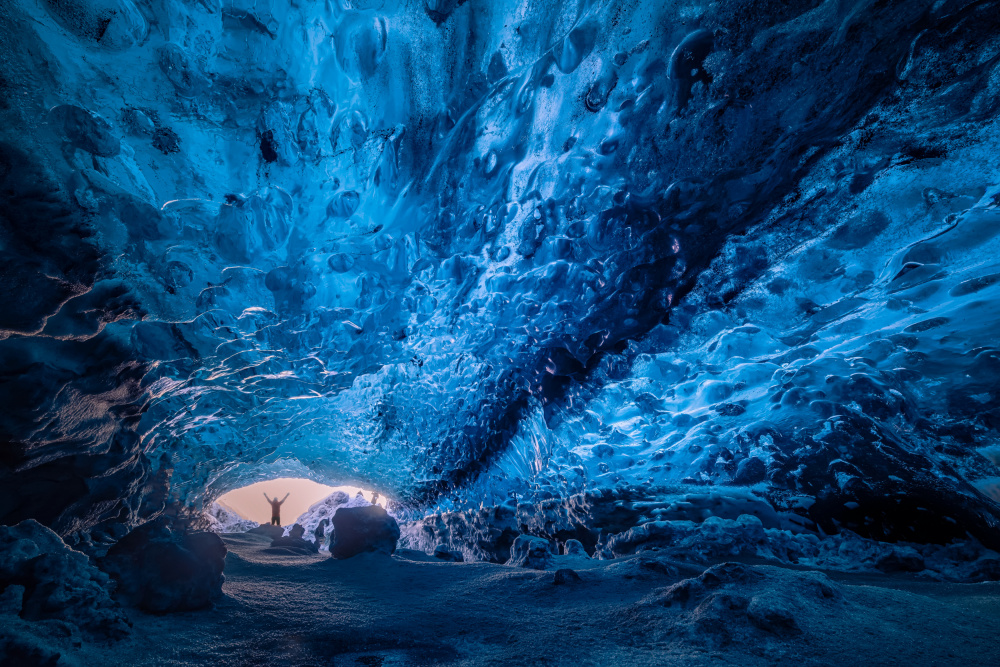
(750, 471)
(985, 569)
(161, 570)
(360, 529)
(565, 576)
(43, 580)
(774, 615)
(294, 541)
(576, 548)
(532, 552)
(441, 552)
(267, 530)
(901, 560)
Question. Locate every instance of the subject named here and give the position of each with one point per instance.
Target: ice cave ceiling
(457, 251)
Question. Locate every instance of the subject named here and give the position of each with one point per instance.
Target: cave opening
(249, 502)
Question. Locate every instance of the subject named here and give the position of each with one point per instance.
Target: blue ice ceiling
(462, 250)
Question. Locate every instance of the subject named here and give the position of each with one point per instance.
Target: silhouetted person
(276, 508)
(374, 497)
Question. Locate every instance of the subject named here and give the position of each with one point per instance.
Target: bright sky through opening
(249, 501)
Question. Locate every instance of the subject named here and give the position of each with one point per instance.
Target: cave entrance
(249, 501)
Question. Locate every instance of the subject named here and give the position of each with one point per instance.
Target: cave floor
(286, 609)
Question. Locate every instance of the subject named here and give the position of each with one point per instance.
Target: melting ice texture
(463, 250)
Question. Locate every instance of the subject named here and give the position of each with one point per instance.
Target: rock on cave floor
(287, 609)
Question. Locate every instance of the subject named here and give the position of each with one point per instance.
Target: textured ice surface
(323, 511)
(646, 610)
(696, 528)
(459, 251)
(224, 520)
(50, 590)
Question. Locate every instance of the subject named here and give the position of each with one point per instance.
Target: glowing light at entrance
(249, 501)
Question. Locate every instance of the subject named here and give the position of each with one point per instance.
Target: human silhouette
(276, 508)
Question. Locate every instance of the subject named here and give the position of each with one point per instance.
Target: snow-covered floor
(284, 609)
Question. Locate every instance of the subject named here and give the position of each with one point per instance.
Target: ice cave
(647, 332)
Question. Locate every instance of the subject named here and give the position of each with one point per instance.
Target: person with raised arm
(276, 508)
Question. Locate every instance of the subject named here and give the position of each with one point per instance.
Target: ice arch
(465, 250)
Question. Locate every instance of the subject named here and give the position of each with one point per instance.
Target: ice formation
(224, 520)
(322, 513)
(526, 267)
(47, 589)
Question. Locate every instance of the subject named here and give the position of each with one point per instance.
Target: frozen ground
(282, 609)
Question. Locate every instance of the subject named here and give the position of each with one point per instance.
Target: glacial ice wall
(457, 251)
